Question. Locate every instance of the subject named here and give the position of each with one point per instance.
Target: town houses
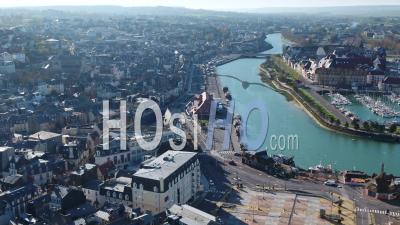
(339, 66)
(72, 78)
(55, 75)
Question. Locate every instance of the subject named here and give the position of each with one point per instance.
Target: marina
(287, 118)
(377, 106)
(339, 100)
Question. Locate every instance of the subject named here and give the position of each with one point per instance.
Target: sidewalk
(348, 211)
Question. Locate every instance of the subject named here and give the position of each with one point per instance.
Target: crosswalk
(378, 211)
(226, 152)
(216, 191)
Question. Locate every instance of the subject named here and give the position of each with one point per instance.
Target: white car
(331, 183)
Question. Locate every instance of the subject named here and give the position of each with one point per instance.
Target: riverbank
(322, 122)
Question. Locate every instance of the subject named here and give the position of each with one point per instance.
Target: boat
(377, 106)
(339, 100)
(320, 169)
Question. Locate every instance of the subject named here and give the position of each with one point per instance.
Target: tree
(393, 128)
(355, 124)
(366, 126)
(346, 124)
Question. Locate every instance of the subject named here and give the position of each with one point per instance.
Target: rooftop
(191, 215)
(44, 135)
(164, 165)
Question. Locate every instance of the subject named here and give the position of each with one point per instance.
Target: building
(390, 84)
(200, 106)
(91, 189)
(53, 86)
(188, 215)
(333, 70)
(134, 153)
(46, 141)
(12, 181)
(172, 178)
(354, 178)
(6, 153)
(13, 202)
(7, 67)
(383, 187)
(84, 174)
(66, 198)
(117, 190)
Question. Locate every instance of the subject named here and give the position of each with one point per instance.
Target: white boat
(320, 168)
(339, 100)
(377, 106)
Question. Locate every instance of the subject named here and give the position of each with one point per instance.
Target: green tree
(366, 126)
(393, 128)
(355, 124)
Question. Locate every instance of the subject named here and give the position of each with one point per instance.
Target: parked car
(331, 183)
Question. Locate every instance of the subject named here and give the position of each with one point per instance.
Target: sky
(202, 4)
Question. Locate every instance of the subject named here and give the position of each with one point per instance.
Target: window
(166, 199)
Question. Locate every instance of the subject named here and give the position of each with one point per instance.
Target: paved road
(215, 167)
(336, 112)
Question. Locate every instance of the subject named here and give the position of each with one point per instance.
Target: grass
(322, 110)
(279, 69)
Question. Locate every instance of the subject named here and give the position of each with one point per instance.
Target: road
(215, 166)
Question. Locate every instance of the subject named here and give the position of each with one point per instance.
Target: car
(233, 163)
(331, 183)
(237, 154)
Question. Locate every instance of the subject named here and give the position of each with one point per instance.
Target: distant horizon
(224, 5)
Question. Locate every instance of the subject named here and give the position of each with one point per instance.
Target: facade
(390, 83)
(7, 67)
(5, 155)
(117, 190)
(14, 202)
(340, 77)
(171, 178)
(354, 178)
(200, 106)
(134, 153)
(46, 141)
(66, 198)
(91, 189)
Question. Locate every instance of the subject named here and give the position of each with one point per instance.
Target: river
(315, 144)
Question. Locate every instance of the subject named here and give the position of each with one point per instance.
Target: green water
(366, 114)
(315, 144)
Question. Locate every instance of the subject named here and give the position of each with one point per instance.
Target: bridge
(256, 55)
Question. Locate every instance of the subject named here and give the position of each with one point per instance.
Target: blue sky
(203, 4)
